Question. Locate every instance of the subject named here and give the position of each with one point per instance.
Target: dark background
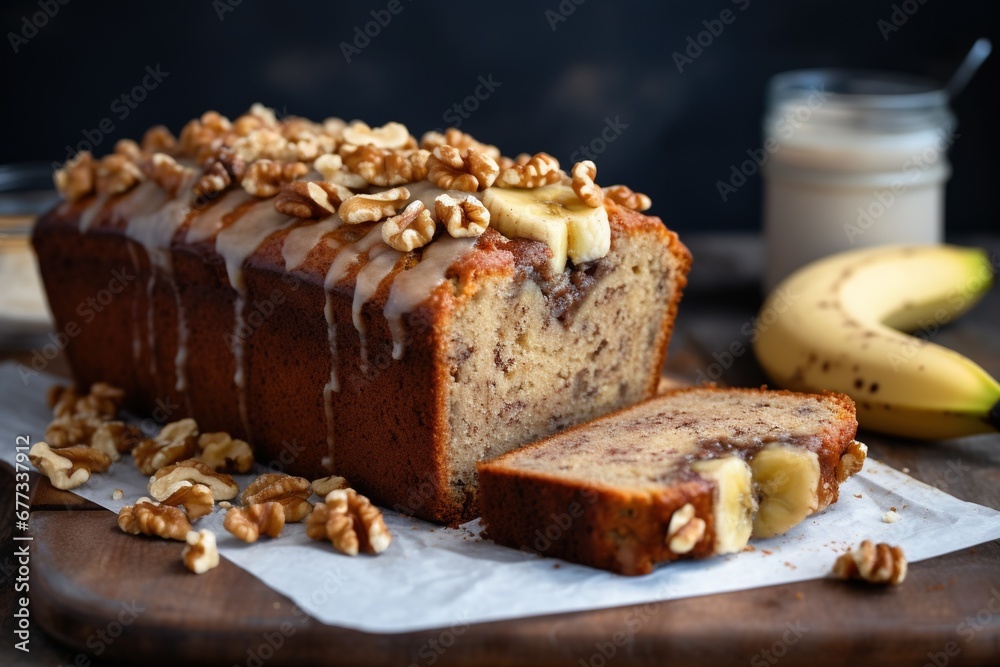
(556, 89)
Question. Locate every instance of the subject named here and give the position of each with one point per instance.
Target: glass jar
(855, 159)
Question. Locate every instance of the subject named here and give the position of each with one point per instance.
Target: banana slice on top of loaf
(688, 474)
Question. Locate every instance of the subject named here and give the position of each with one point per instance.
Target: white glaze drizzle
(333, 384)
(90, 213)
(410, 288)
(381, 261)
(300, 241)
(235, 244)
(152, 219)
(239, 240)
(209, 222)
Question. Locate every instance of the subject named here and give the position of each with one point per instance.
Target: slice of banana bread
(688, 474)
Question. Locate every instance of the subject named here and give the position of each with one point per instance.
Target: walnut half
(875, 563)
(249, 523)
(411, 229)
(291, 492)
(350, 522)
(68, 467)
(163, 483)
(175, 442)
(149, 518)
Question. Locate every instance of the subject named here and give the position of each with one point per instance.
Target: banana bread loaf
(341, 297)
(688, 474)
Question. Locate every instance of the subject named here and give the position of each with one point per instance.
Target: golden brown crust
(399, 460)
(623, 529)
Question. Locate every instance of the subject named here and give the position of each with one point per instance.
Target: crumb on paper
(766, 552)
(790, 566)
(858, 495)
(906, 471)
(749, 547)
(117, 494)
(892, 516)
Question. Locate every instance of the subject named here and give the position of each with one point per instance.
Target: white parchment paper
(435, 577)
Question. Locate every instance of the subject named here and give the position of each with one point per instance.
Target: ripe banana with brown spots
(838, 324)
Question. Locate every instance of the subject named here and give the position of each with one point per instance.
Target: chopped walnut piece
(374, 207)
(169, 174)
(584, 186)
(264, 178)
(196, 499)
(851, 461)
(262, 144)
(222, 453)
(325, 485)
(624, 196)
(71, 430)
(202, 137)
(463, 217)
(390, 135)
(249, 523)
(331, 166)
(685, 530)
(75, 180)
(455, 137)
(103, 401)
(291, 492)
(69, 467)
(311, 200)
(222, 485)
(158, 139)
(175, 442)
(454, 169)
(113, 438)
(117, 174)
(413, 228)
(507, 162)
(385, 168)
(149, 518)
(129, 149)
(875, 563)
(201, 553)
(214, 180)
(117, 494)
(540, 169)
(350, 522)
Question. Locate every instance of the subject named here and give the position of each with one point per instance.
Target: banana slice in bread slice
(743, 462)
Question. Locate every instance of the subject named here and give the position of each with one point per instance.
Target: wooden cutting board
(120, 597)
